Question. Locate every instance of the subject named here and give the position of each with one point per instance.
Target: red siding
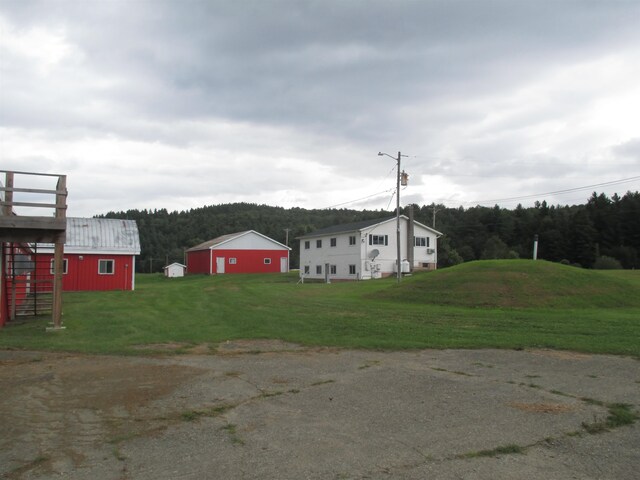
(247, 261)
(3, 296)
(82, 275)
(198, 261)
(250, 261)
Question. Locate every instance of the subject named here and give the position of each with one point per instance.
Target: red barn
(99, 254)
(243, 252)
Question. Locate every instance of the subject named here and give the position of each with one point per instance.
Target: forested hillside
(603, 232)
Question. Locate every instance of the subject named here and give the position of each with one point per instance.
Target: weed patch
(620, 414)
(322, 382)
(192, 415)
(231, 429)
(502, 450)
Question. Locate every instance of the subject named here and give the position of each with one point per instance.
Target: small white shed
(175, 270)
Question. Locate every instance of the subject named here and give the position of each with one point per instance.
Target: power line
(357, 199)
(558, 192)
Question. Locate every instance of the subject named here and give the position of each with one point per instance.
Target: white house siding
(343, 254)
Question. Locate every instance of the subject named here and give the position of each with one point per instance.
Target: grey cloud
(331, 82)
(629, 149)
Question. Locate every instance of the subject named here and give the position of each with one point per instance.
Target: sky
(179, 104)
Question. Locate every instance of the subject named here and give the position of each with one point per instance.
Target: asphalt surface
(266, 410)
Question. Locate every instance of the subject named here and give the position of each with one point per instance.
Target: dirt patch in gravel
(257, 346)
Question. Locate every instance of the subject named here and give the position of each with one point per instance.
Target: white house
(174, 270)
(367, 249)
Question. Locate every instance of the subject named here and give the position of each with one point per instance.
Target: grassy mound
(520, 284)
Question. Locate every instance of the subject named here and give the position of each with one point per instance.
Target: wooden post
(12, 314)
(58, 268)
(7, 209)
(58, 254)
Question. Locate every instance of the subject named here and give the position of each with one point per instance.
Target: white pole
(535, 247)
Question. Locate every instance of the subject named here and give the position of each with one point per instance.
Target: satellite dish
(373, 254)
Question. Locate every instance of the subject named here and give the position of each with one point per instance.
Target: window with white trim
(267, 261)
(318, 269)
(306, 269)
(106, 267)
(318, 243)
(307, 244)
(233, 261)
(378, 239)
(333, 269)
(352, 240)
(420, 241)
(65, 266)
(352, 269)
(333, 242)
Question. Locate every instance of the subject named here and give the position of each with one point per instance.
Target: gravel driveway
(270, 410)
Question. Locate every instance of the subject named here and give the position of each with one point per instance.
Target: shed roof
(175, 264)
(101, 235)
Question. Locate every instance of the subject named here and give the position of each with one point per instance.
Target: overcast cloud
(180, 104)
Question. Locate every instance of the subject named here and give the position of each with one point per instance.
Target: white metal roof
(232, 237)
(100, 235)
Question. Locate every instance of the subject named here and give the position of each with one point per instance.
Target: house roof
(175, 264)
(100, 235)
(229, 237)
(357, 226)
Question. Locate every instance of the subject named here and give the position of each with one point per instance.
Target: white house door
(219, 264)
(284, 264)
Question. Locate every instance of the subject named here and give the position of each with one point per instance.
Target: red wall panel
(250, 261)
(198, 261)
(82, 272)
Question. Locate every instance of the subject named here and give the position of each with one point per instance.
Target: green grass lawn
(488, 304)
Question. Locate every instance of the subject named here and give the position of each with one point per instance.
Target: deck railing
(39, 198)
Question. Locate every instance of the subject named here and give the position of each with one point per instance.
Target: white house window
(267, 261)
(352, 269)
(106, 267)
(352, 239)
(307, 244)
(378, 239)
(318, 243)
(65, 266)
(333, 242)
(421, 241)
(319, 269)
(333, 269)
(233, 261)
(306, 269)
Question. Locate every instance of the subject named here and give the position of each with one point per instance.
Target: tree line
(605, 231)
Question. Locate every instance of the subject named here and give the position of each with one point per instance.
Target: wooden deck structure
(43, 221)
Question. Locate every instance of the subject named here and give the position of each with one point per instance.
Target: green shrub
(607, 263)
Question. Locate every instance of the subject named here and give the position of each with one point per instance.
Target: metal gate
(28, 281)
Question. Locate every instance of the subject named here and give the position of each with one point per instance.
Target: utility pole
(286, 242)
(433, 206)
(398, 253)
